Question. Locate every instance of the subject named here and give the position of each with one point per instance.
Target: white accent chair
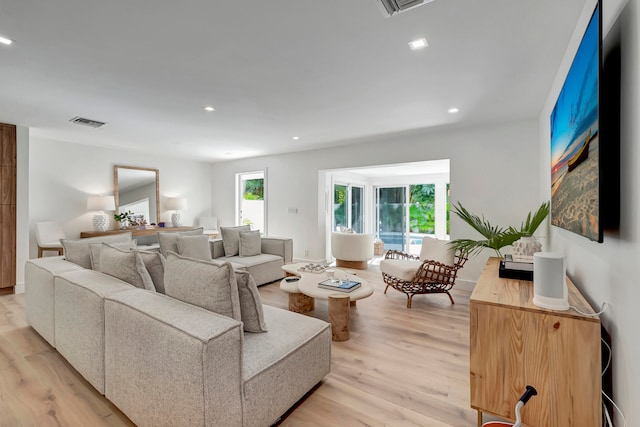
(209, 224)
(434, 271)
(352, 250)
(48, 235)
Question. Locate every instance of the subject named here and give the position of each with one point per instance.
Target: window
(348, 207)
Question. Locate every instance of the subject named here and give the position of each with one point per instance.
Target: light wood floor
(401, 367)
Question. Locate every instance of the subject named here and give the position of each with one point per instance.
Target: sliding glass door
(391, 220)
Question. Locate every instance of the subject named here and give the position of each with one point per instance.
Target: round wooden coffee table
(338, 302)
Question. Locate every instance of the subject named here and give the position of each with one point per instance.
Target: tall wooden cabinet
(8, 169)
(515, 343)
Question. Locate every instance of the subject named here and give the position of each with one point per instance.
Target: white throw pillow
(77, 251)
(154, 262)
(250, 243)
(96, 248)
(436, 250)
(194, 247)
(168, 240)
(231, 239)
(202, 283)
(125, 265)
(250, 303)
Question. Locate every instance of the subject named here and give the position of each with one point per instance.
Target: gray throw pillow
(231, 239)
(77, 251)
(250, 303)
(250, 243)
(194, 247)
(125, 265)
(96, 248)
(168, 240)
(202, 283)
(154, 262)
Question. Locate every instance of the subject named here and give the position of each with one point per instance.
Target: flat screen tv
(575, 141)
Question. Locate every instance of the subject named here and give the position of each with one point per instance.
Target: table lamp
(101, 204)
(176, 204)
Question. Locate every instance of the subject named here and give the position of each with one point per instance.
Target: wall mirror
(137, 189)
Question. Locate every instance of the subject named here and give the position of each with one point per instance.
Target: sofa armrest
(280, 246)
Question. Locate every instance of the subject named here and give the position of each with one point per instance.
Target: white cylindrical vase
(549, 281)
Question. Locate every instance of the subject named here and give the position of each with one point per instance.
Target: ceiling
(330, 72)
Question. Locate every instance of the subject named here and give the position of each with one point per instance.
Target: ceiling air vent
(87, 122)
(393, 7)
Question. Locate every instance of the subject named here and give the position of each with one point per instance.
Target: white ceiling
(328, 71)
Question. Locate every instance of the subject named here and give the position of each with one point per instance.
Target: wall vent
(393, 7)
(87, 122)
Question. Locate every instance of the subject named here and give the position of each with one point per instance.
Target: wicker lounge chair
(434, 271)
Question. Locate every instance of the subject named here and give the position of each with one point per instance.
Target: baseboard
(314, 261)
(19, 288)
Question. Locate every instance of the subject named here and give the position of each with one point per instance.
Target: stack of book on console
(516, 267)
(339, 285)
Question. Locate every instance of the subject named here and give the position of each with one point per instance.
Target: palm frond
(495, 237)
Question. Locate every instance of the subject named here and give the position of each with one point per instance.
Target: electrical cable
(602, 310)
(624, 420)
(606, 413)
(610, 354)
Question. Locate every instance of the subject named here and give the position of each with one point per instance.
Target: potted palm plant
(496, 237)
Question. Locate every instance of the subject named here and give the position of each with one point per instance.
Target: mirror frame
(116, 194)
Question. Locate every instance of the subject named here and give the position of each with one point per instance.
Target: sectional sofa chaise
(167, 362)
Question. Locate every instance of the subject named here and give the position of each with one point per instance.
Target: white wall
(610, 271)
(62, 175)
(494, 171)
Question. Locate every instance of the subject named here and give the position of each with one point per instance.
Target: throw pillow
(77, 251)
(250, 303)
(194, 247)
(96, 248)
(250, 243)
(168, 240)
(125, 265)
(436, 250)
(154, 263)
(231, 239)
(202, 283)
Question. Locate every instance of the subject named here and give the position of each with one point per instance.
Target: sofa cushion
(404, 269)
(250, 243)
(292, 357)
(77, 251)
(96, 248)
(125, 265)
(436, 250)
(154, 262)
(264, 268)
(231, 239)
(203, 283)
(250, 303)
(168, 240)
(194, 247)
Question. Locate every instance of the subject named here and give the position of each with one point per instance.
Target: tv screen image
(575, 142)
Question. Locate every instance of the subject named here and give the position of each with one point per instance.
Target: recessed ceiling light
(209, 108)
(296, 138)
(418, 44)
(452, 110)
(5, 40)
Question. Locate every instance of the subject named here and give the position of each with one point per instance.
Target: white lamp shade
(101, 203)
(176, 204)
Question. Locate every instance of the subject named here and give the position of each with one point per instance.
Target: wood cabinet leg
(479, 418)
(339, 317)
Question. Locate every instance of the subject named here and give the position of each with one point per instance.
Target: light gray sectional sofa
(165, 362)
(263, 260)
